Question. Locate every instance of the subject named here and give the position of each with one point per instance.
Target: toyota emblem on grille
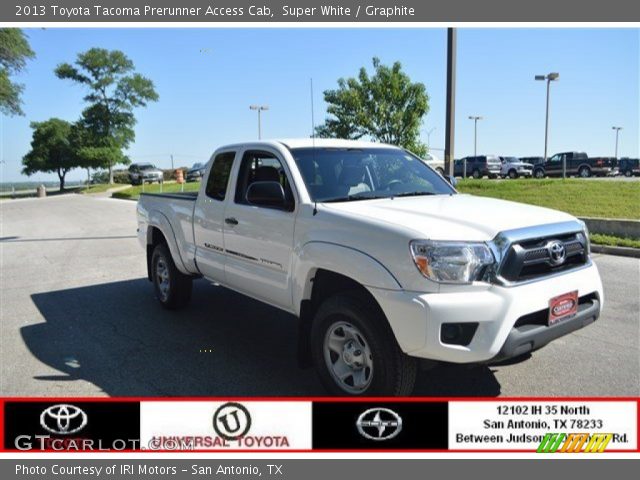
(379, 424)
(557, 252)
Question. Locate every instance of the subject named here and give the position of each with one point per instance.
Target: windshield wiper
(355, 196)
(414, 194)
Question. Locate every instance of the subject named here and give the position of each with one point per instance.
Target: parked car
(434, 162)
(379, 258)
(195, 173)
(577, 163)
(144, 172)
(513, 167)
(629, 167)
(479, 166)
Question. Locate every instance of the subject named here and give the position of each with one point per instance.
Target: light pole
(259, 108)
(550, 78)
(475, 119)
(429, 132)
(617, 129)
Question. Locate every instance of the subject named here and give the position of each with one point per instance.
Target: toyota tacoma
(384, 264)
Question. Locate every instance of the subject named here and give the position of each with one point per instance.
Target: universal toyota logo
(232, 421)
(379, 424)
(557, 252)
(63, 419)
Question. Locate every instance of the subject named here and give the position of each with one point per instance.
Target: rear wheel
(476, 174)
(584, 172)
(354, 350)
(627, 173)
(538, 173)
(440, 171)
(172, 287)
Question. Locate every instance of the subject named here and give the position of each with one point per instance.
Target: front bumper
(416, 319)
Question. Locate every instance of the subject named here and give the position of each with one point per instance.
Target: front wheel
(513, 174)
(627, 173)
(354, 350)
(538, 173)
(172, 287)
(440, 171)
(476, 174)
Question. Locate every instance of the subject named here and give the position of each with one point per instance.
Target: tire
(584, 172)
(176, 292)
(513, 174)
(476, 174)
(364, 337)
(627, 173)
(440, 171)
(538, 173)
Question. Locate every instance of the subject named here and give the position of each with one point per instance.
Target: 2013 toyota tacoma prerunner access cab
(379, 257)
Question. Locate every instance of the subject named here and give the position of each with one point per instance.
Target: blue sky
(207, 78)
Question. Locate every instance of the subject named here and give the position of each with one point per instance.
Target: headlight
(451, 262)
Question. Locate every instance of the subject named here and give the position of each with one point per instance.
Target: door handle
(230, 221)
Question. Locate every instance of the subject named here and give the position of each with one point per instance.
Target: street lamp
(475, 119)
(259, 108)
(429, 132)
(550, 78)
(617, 129)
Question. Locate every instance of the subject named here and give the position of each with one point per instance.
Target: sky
(207, 78)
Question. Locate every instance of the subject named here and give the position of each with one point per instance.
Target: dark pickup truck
(577, 163)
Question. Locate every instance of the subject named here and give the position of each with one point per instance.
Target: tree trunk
(61, 175)
(110, 173)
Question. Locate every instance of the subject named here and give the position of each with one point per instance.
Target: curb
(619, 251)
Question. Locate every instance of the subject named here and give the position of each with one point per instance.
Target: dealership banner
(323, 425)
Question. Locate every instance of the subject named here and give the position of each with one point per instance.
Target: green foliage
(51, 149)
(14, 52)
(612, 241)
(385, 107)
(133, 193)
(115, 90)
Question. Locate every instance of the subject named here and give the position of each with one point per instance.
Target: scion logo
(63, 419)
(557, 252)
(379, 424)
(232, 421)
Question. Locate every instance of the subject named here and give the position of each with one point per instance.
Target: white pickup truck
(383, 262)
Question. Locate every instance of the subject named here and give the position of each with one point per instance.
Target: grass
(609, 240)
(133, 193)
(579, 197)
(100, 187)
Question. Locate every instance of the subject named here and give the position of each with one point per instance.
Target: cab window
(219, 176)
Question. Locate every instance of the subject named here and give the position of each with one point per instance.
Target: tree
(115, 90)
(52, 149)
(386, 107)
(14, 52)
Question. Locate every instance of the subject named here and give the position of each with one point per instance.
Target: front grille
(531, 259)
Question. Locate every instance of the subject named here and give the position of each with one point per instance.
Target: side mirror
(452, 180)
(266, 194)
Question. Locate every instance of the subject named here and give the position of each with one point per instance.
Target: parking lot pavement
(78, 318)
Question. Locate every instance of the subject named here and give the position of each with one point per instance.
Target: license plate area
(563, 307)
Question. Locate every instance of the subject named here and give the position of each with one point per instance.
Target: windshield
(511, 160)
(340, 175)
(197, 166)
(147, 166)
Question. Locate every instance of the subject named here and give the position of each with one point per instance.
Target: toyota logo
(63, 419)
(557, 252)
(232, 421)
(379, 424)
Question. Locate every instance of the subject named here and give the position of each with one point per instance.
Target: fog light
(458, 333)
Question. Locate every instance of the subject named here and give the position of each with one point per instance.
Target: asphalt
(78, 318)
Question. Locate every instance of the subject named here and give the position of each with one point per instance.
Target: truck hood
(452, 217)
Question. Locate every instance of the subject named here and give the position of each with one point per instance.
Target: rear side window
(219, 175)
